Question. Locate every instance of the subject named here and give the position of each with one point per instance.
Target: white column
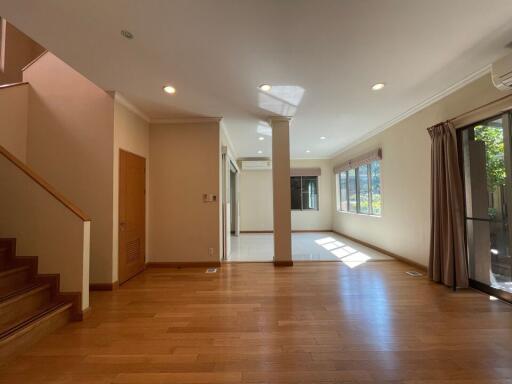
(281, 191)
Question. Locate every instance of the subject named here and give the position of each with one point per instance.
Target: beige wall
(184, 166)
(256, 200)
(45, 228)
(404, 228)
(70, 143)
(19, 51)
(14, 120)
(131, 133)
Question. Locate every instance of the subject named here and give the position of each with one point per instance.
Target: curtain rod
(479, 108)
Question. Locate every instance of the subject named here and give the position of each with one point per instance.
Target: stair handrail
(43, 184)
(12, 85)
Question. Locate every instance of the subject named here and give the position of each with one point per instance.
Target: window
(375, 187)
(359, 189)
(352, 190)
(343, 191)
(304, 191)
(364, 195)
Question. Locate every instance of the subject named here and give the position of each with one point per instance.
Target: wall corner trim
(131, 107)
(183, 264)
(33, 61)
(228, 138)
(104, 286)
(187, 120)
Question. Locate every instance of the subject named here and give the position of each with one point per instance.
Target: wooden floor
(253, 323)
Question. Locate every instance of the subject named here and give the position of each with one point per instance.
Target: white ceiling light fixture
(265, 87)
(323, 137)
(261, 138)
(308, 151)
(260, 152)
(169, 89)
(378, 86)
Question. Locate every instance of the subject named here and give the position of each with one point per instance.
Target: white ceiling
(217, 52)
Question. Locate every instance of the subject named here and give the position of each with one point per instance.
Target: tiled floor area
(307, 246)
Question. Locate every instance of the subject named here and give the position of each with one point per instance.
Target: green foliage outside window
(494, 150)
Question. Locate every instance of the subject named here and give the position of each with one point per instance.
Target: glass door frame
(507, 137)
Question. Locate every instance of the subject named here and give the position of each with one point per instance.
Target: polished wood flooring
(253, 323)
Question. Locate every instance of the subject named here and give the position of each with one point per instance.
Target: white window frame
(370, 197)
(302, 192)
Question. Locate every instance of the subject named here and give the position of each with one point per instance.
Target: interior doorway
(234, 228)
(230, 203)
(132, 215)
(486, 163)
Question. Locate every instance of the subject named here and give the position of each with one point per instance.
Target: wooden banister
(12, 85)
(43, 184)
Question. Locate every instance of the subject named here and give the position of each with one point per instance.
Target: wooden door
(132, 215)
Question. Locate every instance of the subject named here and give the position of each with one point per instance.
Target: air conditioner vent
(256, 165)
(501, 72)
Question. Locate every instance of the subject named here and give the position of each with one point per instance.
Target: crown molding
(291, 159)
(311, 158)
(397, 119)
(187, 120)
(123, 101)
(253, 158)
(182, 120)
(277, 119)
(418, 107)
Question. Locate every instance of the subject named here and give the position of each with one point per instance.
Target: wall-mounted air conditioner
(502, 73)
(256, 165)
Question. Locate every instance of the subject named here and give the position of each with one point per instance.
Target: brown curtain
(447, 255)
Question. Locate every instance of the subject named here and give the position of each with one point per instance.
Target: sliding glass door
(485, 152)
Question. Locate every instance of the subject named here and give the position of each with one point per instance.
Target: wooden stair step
(27, 331)
(14, 278)
(7, 252)
(19, 290)
(24, 301)
(31, 305)
(12, 329)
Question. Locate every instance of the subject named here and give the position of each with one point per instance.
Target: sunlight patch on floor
(346, 254)
(306, 246)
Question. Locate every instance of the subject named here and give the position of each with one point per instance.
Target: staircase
(31, 305)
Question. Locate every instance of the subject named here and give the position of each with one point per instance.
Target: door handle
(122, 225)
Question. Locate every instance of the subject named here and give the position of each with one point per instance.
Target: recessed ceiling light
(169, 89)
(308, 151)
(261, 138)
(265, 87)
(127, 34)
(378, 86)
(323, 137)
(260, 151)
